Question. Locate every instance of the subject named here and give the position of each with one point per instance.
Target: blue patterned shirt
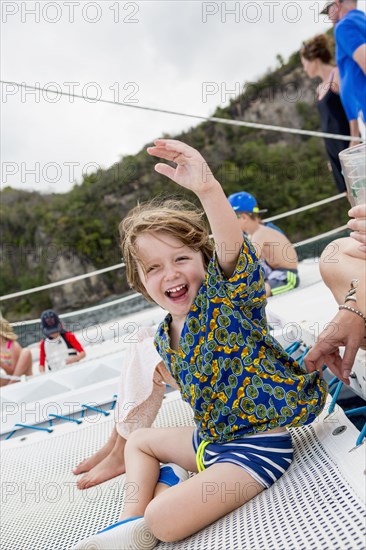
(233, 373)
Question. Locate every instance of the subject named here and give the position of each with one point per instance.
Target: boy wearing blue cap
(277, 254)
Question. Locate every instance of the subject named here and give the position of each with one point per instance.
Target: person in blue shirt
(243, 388)
(350, 36)
(277, 255)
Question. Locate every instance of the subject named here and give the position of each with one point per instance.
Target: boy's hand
(191, 172)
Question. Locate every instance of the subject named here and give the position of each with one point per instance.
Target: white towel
(142, 384)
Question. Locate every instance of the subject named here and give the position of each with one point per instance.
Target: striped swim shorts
(265, 457)
(283, 280)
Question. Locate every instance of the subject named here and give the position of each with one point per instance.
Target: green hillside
(49, 237)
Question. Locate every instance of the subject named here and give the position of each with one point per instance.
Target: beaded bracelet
(359, 313)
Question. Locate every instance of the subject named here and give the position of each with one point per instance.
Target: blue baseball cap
(244, 202)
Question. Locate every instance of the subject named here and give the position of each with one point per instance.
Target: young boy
(242, 386)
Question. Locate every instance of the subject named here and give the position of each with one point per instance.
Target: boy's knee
(159, 523)
(136, 438)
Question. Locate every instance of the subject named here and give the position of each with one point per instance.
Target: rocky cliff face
(75, 295)
(275, 101)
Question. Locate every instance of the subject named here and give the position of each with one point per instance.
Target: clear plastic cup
(353, 161)
(358, 191)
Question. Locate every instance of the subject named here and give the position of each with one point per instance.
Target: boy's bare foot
(92, 461)
(113, 465)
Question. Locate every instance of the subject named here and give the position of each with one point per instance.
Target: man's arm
(352, 41)
(359, 56)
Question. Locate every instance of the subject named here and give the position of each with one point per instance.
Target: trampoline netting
(312, 506)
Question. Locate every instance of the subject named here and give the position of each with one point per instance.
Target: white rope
(119, 266)
(322, 236)
(63, 282)
(82, 311)
(188, 115)
(307, 207)
(136, 295)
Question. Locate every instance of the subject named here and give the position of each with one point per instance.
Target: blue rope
(49, 430)
(358, 410)
(64, 418)
(335, 397)
(301, 358)
(362, 435)
(332, 382)
(292, 347)
(106, 413)
(114, 402)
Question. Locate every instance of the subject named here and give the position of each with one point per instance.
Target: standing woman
(316, 59)
(14, 360)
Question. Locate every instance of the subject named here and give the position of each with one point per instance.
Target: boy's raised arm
(193, 172)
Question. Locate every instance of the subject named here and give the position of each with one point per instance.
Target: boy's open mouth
(176, 292)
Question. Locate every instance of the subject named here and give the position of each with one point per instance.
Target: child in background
(14, 360)
(245, 391)
(278, 256)
(59, 347)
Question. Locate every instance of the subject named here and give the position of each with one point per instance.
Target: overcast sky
(179, 55)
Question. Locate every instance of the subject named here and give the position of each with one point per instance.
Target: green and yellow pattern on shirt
(235, 375)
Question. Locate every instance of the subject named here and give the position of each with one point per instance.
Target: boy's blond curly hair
(180, 219)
